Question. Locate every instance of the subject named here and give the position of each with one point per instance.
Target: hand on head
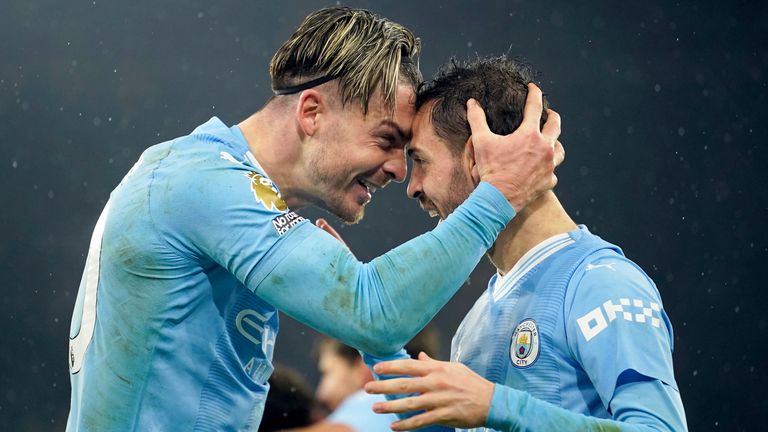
(521, 165)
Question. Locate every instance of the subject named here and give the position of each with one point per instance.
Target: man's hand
(521, 165)
(449, 393)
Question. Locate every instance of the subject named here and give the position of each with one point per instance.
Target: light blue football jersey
(167, 333)
(573, 320)
(164, 335)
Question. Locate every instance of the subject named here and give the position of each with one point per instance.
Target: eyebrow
(403, 136)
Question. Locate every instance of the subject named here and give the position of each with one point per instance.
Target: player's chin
(351, 211)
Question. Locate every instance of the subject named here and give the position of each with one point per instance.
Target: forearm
(377, 307)
(637, 407)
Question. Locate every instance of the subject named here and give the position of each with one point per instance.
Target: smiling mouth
(429, 209)
(368, 185)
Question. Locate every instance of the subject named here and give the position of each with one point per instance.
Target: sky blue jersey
(575, 337)
(160, 326)
(570, 323)
(176, 316)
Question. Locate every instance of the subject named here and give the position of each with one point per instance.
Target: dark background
(664, 120)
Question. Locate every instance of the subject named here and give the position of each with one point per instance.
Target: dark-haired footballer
(570, 335)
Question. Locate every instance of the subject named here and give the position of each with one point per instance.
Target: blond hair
(365, 52)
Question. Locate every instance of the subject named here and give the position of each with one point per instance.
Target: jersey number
(81, 335)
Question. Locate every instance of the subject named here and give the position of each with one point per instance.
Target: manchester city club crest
(524, 347)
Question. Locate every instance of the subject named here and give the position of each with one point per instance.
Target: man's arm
(451, 394)
(208, 212)
(378, 306)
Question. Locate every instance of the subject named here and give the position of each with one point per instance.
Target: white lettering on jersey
(594, 322)
(250, 324)
(252, 330)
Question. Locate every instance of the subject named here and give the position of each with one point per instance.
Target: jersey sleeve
(640, 406)
(218, 209)
(379, 306)
(616, 326)
(212, 208)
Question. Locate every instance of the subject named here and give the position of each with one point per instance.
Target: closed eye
(389, 139)
(414, 156)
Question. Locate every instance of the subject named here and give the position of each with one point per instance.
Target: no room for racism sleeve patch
(285, 222)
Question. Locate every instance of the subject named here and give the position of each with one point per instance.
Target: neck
(540, 220)
(272, 139)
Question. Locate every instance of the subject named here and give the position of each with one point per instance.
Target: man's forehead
(398, 121)
(422, 127)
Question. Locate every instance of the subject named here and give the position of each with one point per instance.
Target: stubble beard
(331, 192)
(458, 189)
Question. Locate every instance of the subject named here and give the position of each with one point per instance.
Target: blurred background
(664, 122)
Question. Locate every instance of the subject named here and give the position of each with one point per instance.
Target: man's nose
(414, 188)
(396, 167)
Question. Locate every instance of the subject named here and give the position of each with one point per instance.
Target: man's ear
(469, 159)
(311, 105)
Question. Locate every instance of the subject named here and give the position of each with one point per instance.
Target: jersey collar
(502, 285)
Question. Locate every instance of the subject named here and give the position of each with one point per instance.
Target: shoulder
(608, 273)
(608, 286)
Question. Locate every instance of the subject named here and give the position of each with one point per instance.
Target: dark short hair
(498, 83)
